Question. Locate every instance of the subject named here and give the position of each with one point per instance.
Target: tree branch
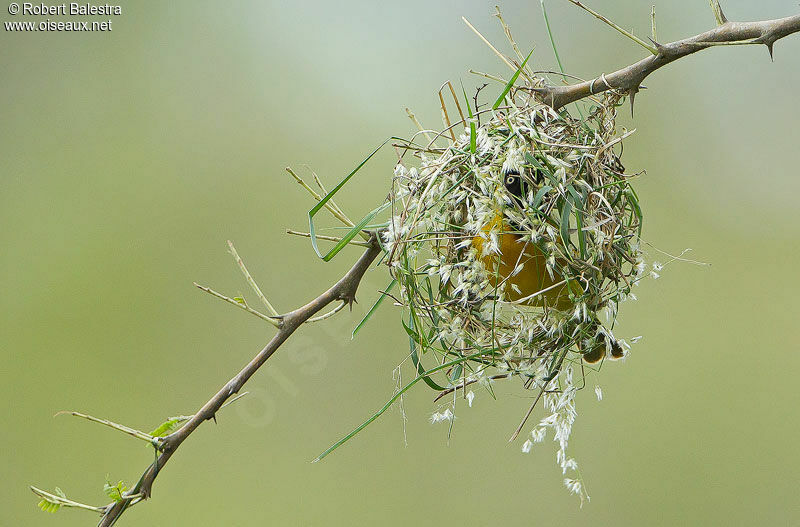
(629, 79)
(344, 290)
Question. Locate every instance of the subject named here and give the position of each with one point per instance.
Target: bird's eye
(510, 180)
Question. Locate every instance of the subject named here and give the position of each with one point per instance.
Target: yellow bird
(533, 278)
(533, 282)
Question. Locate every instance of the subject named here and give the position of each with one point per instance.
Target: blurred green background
(128, 158)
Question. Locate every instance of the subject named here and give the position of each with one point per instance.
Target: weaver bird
(532, 282)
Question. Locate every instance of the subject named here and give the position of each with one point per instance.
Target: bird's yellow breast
(532, 278)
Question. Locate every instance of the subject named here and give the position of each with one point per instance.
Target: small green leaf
(240, 300)
(456, 374)
(48, 506)
(168, 426)
(115, 492)
(51, 506)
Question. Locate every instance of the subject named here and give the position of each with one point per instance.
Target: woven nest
(513, 246)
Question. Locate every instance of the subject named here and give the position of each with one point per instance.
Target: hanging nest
(513, 245)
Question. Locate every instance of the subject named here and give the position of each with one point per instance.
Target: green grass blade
(421, 371)
(565, 214)
(416, 338)
(552, 40)
(579, 207)
(473, 131)
(555, 49)
(637, 210)
(391, 401)
(374, 308)
(313, 212)
(510, 83)
(352, 233)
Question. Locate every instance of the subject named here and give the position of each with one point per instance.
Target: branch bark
(344, 290)
(629, 79)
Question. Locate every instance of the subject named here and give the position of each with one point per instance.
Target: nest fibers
(513, 246)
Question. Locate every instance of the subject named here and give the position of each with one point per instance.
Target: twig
(138, 434)
(629, 79)
(462, 385)
(426, 133)
(272, 320)
(507, 31)
(333, 208)
(318, 181)
(527, 415)
(488, 76)
(502, 57)
(250, 280)
(445, 116)
(329, 314)
(653, 34)
(344, 290)
(326, 238)
(64, 502)
(645, 45)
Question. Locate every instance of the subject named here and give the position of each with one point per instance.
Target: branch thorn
(632, 93)
(350, 301)
(658, 46)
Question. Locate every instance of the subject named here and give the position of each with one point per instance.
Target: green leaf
(510, 83)
(537, 198)
(168, 426)
(421, 371)
(114, 492)
(240, 300)
(538, 165)
(51, 506)
(412, 334)
(374, 307)
(48, 506)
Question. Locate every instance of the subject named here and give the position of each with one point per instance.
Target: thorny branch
(344, 290)
(629, 79)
